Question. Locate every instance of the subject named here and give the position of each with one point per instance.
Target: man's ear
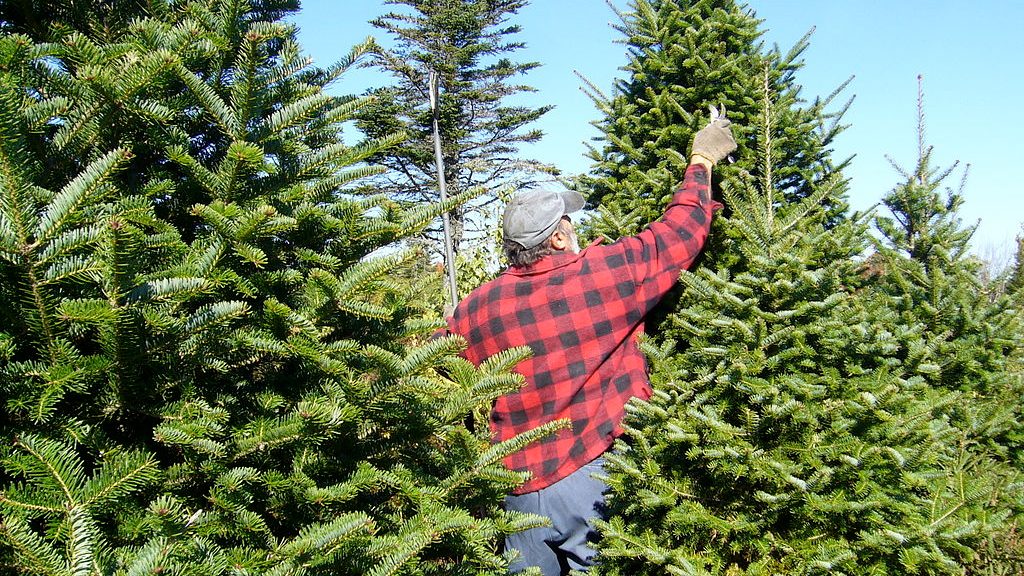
(560, 240)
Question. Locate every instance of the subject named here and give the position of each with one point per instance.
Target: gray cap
(532, 216)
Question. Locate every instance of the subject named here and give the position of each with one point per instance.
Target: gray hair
(519, 256)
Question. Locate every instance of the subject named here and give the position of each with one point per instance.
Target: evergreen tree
(1016, 279)
(43, 19)
(468, 44)
(784, 436)
(682, 58)
(793, 428)
(933, 280)
(970, 338)
(203, 370)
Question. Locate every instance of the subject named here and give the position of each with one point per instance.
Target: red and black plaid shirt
(581, 315)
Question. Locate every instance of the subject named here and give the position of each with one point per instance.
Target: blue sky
(971, 56)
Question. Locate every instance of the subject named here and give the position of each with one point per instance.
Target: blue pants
(570, 503)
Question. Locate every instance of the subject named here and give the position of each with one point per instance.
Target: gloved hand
(715, 140)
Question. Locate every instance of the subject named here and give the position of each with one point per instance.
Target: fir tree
(934, 282)
(468, 44)
(788, 433)
(968, 335)
(203, 370)
(42, 19)
(784, 436)
(1016, 278)
(682, 58)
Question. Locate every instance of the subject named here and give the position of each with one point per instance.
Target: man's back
(580, 314)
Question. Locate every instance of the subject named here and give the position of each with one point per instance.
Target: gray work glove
(715, 140)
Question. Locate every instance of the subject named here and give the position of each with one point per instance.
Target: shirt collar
(551, 261)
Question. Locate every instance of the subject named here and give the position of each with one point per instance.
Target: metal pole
(449, 253)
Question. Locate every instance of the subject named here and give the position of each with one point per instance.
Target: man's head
(536, 224)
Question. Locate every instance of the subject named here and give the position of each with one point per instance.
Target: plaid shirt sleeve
(581, 315)
(657, 255)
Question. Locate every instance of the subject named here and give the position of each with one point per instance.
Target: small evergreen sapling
(1015, 283)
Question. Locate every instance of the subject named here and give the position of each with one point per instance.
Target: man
(580, 312)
